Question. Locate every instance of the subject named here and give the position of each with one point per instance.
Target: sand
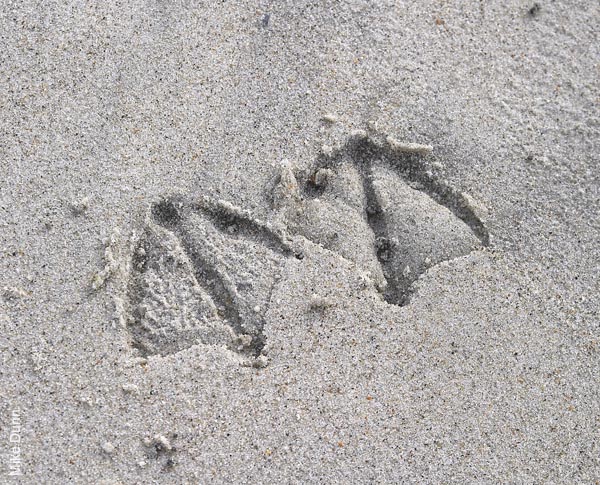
(299, 242)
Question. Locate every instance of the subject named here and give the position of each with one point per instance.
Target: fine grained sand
(490, 373)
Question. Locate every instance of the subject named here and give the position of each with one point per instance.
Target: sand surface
(299, 242)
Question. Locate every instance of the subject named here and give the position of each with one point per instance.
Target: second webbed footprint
(381, 210)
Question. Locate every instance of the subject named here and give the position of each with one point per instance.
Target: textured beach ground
(277, 335)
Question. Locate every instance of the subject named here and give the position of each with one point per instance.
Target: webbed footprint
(202, 274)
(378, 205)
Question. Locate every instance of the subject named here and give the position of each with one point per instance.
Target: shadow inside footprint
(166, 212)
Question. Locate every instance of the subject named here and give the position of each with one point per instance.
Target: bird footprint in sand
(203, 271)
